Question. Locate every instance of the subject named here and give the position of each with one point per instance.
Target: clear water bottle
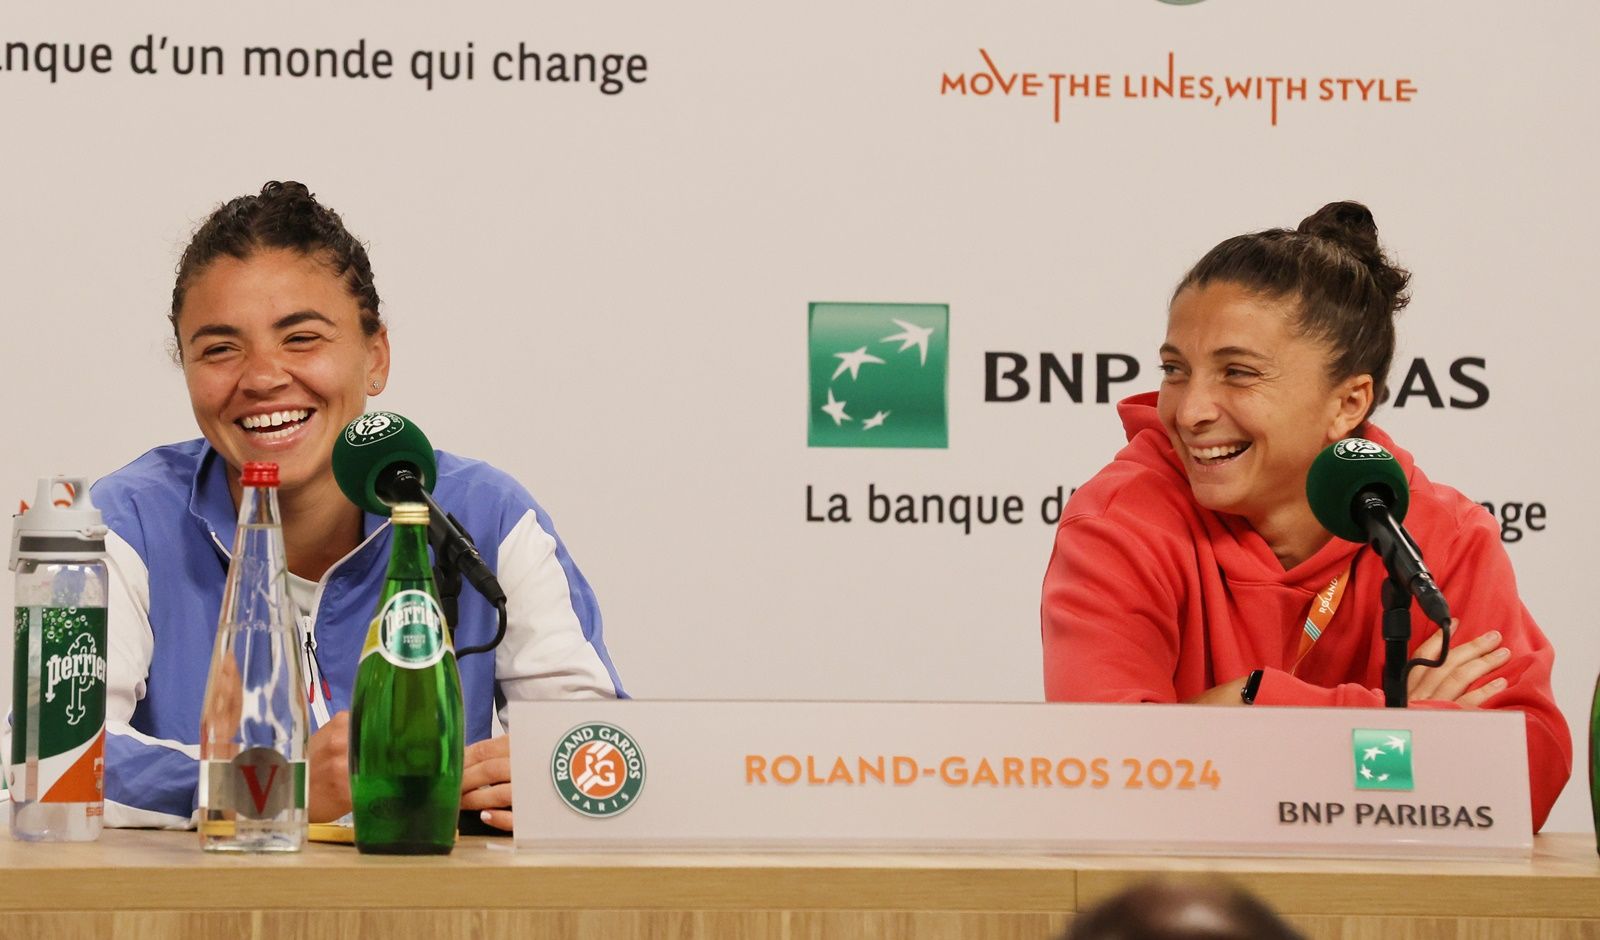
(253, 730)
(59, 674)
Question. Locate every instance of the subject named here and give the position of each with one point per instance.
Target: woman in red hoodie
(1191, 569)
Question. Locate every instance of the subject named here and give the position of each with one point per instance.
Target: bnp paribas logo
(879, 375)
(1383, 759)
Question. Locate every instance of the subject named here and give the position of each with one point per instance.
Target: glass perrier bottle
(406, 733)
(1594, 760)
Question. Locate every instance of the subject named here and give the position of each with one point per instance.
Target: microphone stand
(1402, 561)
(446, 558)
(448, 575)
(447, 571)
(1396, 641)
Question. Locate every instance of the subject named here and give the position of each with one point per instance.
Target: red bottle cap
(260, 474)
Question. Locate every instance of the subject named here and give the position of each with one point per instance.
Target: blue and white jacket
(172, 521)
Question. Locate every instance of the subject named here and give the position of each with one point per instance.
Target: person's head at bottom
(1170, 910)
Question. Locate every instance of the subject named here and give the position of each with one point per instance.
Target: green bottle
(1594, 761)
(406, 734)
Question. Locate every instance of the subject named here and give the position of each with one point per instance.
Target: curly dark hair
(1171, 910)
(283, 215)
(1333, 268)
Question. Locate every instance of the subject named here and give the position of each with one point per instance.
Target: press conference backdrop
(621, 278)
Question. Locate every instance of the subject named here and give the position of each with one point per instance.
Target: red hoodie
(1151, 598)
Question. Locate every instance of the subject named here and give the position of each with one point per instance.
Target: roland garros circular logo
(598, 769)
(1358, 448)
(373, 427)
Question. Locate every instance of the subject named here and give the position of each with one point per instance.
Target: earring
(375, 385)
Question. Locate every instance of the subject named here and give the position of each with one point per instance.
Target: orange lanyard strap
(1321, 611)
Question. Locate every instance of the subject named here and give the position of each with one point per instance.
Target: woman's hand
(328, 757)
(1229, 693)
(486, 781)
(1466, 664)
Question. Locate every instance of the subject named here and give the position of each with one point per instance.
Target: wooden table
(137, 884)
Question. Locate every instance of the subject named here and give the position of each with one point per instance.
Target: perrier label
(64, 727)
(406, 725)
(410, 630)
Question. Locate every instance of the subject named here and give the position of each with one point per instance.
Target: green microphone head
(375, 443)
(1345, 470)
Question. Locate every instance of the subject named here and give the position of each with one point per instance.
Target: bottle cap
(259, 474)
(409, 514)
(53, 529)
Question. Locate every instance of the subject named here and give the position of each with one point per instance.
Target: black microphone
(1358, 492)
(380, 459)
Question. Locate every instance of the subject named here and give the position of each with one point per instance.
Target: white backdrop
(607, 294)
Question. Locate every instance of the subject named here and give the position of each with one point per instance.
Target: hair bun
(293, 206)
(286, 189)
(1350, 225)
(292, 196)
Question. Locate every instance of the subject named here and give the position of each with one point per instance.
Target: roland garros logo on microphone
(598, 769)
(1358, 448)
(373, 427)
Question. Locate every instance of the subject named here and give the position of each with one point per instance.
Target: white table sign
(1083, 778)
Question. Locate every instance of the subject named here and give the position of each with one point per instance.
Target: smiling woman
(276, 325)
(1192, 569)
(279, 356)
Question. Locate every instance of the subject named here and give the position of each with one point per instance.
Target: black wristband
(1251, 686)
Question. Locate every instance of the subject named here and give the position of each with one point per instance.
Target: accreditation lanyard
(1321, 611)
(315, 679)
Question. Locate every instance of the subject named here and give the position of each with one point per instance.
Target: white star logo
(874, 421)
(853, 361)
(1382, 777)
(835, 410)
(1366, 771)
(1372, 753)
(911, 335)
(1399, 744)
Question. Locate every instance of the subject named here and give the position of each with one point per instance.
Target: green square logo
(1383, 759)
(879, 374)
